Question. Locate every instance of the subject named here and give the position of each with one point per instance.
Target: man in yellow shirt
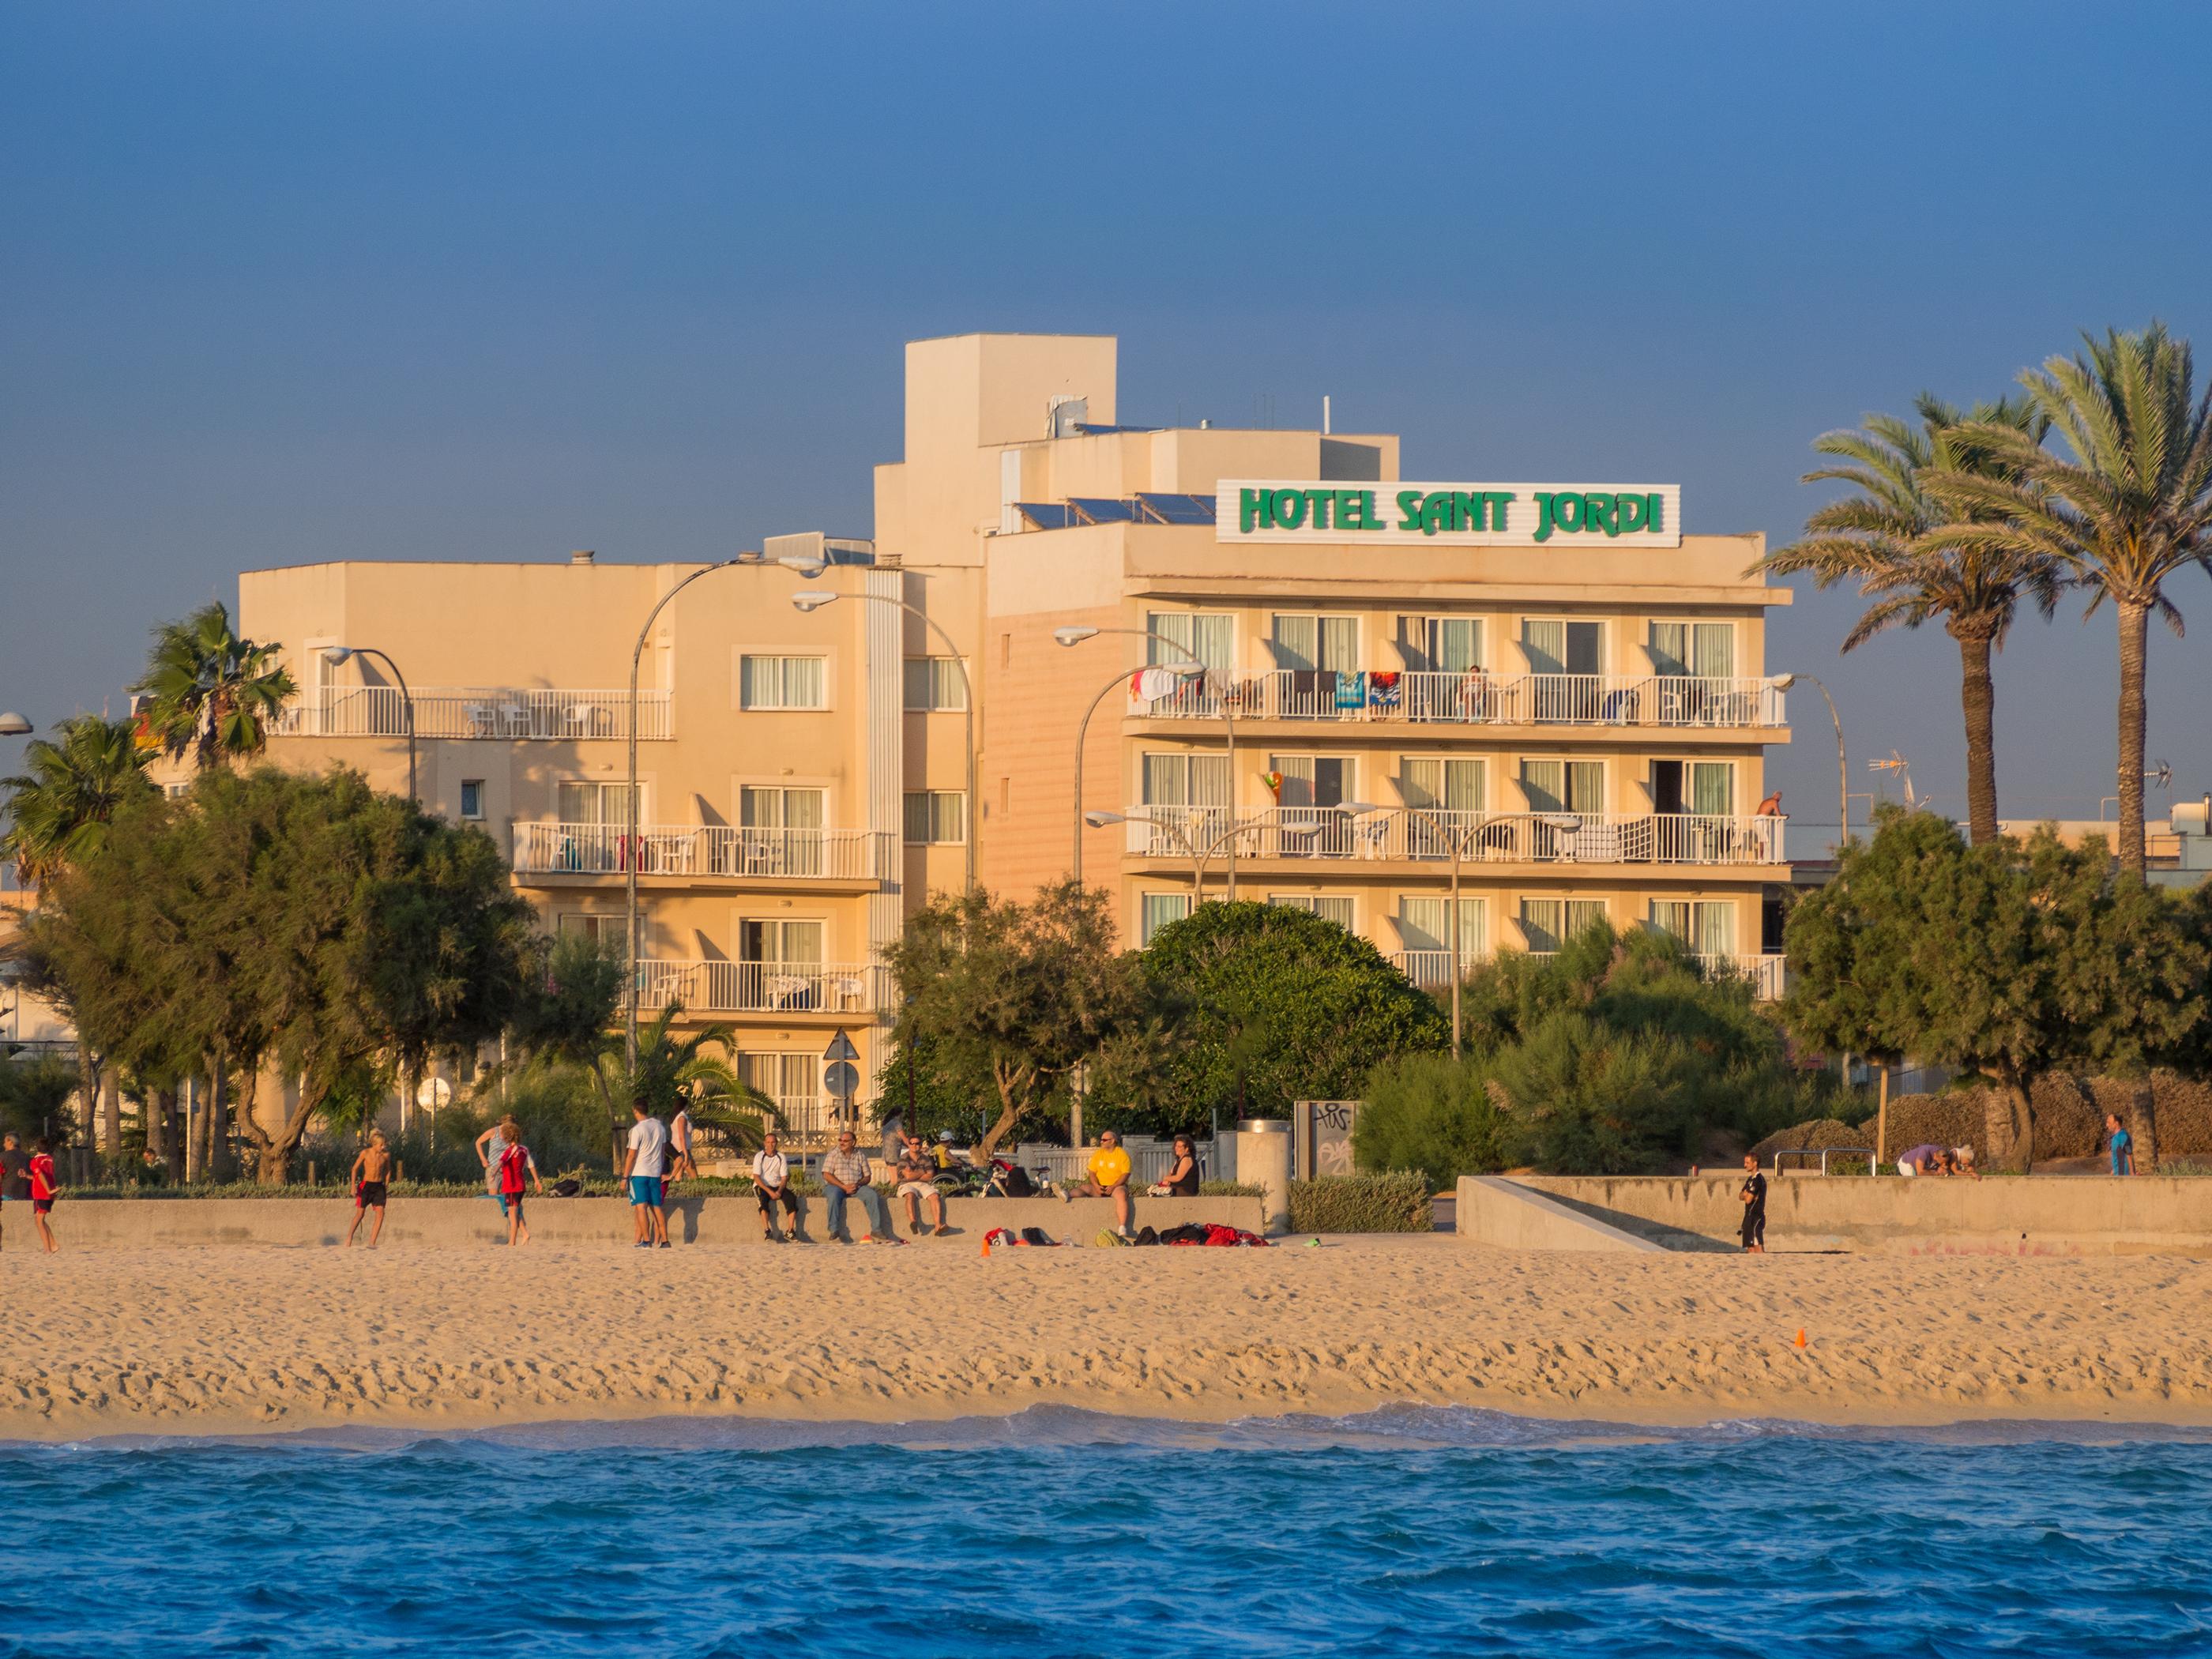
(1107, 1176)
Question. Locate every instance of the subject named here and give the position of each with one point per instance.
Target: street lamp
(812, 568)
(1455, 838)
(1075, 634)
(13, 725)
(1082, 732)
(813, 598)
(335, 654)
(1782, 682)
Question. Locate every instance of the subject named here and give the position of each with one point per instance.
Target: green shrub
(1394, 1203)
(1230, 1189)
(1433, 1113)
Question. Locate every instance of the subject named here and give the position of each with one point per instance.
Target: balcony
(704, 851)
(764, 987)
(1326, 832)
(1431, 970)
(489, 713)
(1426, 697)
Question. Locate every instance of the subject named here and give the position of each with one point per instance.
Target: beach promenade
(244, 1338)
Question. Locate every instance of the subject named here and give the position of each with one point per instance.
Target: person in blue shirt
(2123, 1146)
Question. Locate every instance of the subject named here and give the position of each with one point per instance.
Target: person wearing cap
(941, 1150)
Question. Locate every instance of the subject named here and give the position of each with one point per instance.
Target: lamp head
(1100, 820)
(337, 654)
(812, 598)
(805, 566)
(1560, 820)
(1074, 634)
(13, 725)
(1782, 682)
(1359, 808)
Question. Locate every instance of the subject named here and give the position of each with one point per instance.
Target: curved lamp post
(1081, 733)
(1782, 682)
(335, 654)
(1457, 838)
(629, 798)
(813, 598)
(1075, 634)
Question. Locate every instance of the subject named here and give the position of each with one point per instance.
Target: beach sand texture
(236, 1338)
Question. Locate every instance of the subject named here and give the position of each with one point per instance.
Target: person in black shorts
(771, 1187)
(371, 1170)
(1754, 1206)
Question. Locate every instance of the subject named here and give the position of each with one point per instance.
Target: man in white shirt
(645, 1165)
(771, 1187)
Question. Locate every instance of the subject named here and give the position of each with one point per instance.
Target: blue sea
(1409, 1531)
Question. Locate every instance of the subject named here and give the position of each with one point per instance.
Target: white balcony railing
(763, 988)
(493, 713)
(1431, 970)
(1325, 832)
(1474, 699)
(708, 850)
(1765, 973)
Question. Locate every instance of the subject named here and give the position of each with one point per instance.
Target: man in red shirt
(43, 1188)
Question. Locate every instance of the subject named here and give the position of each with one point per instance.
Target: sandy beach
(225, 1338)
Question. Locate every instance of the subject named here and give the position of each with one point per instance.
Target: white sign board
(1338, 514)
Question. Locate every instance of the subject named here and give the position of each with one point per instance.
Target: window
(1705, 649)
(1562, 647)
(1307, 822)
(472, 797)
(1311, 642)
(1158, 910)
(1706, 788)
(1338, 910)
(792, 1081)
(935, 683)
(1212, 639)
(1176, 778)
(1440, 645)
(1425, 923)
(779, 831)
(790, 943)
(783, 683)
(587, 801)
(935, 817)
(1706, 926)
(1564, 785)
(1548, 923)
(610, 932)
(1451, 786)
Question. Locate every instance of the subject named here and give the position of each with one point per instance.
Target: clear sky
(285, 283)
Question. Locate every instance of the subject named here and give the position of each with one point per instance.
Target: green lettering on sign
(1409, 509)
(1253, 511)
(1289, 509)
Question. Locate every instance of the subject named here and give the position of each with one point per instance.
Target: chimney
(582, 555)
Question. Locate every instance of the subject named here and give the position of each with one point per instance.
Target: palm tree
(59, 808)
(1885, 538)
(210, 692)
(673, 1070)
(2130, 508)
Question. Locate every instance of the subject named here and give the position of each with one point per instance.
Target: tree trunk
(2009, 1124)
(2134, 616)
(2145, 1113)
(1979, 696)
(111, 1116)
(195, 1110)
(160, 1126)
(216, 1163)
(87, 1077)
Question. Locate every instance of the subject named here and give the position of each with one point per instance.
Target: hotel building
(1291, 671)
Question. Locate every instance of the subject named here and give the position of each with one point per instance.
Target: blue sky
(288, 283)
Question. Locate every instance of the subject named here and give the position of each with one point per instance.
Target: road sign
(841, 1078)
(434, 1094)
(841, 1047)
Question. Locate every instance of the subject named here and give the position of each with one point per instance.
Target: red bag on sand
(1217, 1234)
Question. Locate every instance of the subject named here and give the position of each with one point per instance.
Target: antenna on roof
(1324, 414)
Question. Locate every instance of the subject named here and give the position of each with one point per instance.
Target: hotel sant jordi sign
(1458, 514)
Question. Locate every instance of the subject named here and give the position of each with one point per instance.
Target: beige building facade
(1341, 714)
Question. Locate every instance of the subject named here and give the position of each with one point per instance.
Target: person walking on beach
(2124, 1145)
(516, 1168)
(490, 1144)
(846, 1173)
(43, 1186)
(1754, 1206)
(645, 1165)
(771, 1187)
(15, 1171)
(917, 1173)
(372, 1170)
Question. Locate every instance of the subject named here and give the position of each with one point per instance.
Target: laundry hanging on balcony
(1383, 689)
(1151, 684)
(1351, 690)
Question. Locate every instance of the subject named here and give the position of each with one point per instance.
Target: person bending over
(917, 1182)
(845, 1174)
(771, 1187)
(372, 1170)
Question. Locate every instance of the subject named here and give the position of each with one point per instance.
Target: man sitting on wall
(846, 1173)
(1106, 1175)
(917, 1173)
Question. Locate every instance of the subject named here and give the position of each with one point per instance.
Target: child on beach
(43, 1186)
(372, 1170)
(516, 1168)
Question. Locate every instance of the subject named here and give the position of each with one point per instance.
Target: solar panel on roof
(1046, 515)
(1176, 509)
(1098, 509)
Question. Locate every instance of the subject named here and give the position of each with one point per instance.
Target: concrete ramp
(1492, 1210)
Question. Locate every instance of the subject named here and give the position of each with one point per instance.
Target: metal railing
(1325, 832)
(1149, 1163)
(606, 850)
(1824, 1153)
(1431, 970)
(1765, 973)
(492, 713)
(1428, 695)
(763, 988)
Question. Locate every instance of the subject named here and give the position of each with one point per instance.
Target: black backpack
(1037, 1235)
(1018, 1184)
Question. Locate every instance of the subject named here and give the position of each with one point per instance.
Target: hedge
(1394, 1203)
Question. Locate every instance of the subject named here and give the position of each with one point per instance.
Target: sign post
(840, 1077)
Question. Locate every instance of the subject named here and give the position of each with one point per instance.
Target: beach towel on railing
(1352, 690)
(1383, 688)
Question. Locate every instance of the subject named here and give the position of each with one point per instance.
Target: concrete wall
(1491, 1209)
(2063, 1215)
(445, 1223)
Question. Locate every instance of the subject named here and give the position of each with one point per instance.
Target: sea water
(1410, 1531)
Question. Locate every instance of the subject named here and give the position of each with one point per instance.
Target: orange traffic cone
(987, 1248)
(1801, 1336)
